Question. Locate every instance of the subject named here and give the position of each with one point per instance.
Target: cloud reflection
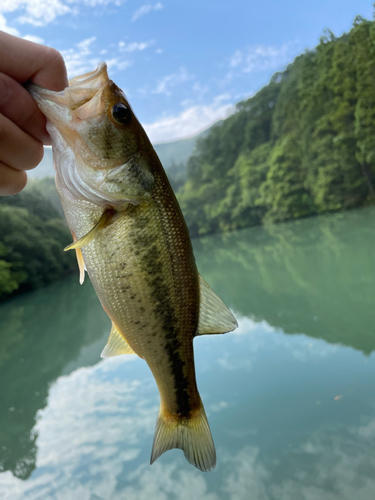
(94, 436)
(95, 422)
(162, 482)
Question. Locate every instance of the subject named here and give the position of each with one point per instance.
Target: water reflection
(314, 276)
(94, 441)
(292, 415)
(41, 333)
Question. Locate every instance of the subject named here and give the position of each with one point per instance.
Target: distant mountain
(173, 155)
(177, 152)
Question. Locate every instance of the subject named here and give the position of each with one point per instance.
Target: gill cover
(98, 155)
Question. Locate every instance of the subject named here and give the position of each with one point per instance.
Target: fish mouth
(79, 101)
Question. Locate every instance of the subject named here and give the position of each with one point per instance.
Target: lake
(290, 395)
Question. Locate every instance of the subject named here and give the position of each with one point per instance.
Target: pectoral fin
(81, 263)
(87, 238)
(116, 344)
(214, 316)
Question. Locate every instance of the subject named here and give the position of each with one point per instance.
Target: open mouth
(59, 107)
(78, 102)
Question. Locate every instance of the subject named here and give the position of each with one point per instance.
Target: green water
(290, 395)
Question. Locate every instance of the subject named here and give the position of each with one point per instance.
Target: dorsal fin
(214, 316)
(116, 344)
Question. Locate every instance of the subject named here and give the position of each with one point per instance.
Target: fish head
(97, 141)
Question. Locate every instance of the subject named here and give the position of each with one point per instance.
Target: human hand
(22, 125)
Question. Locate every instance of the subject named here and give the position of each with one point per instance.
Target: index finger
(23, 61)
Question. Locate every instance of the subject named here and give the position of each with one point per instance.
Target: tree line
(32, 237)
(302, 146)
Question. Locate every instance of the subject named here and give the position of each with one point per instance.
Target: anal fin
(214, 316)
(116, 344)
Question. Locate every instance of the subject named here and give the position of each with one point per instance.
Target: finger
(18, 105)
(11, 181)
(23, 60)
(17, 149)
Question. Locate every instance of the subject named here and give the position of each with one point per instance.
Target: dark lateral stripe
(165, 310)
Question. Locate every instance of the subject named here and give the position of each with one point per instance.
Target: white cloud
(117, 63)
(39, 13)
(306, 350)
(189, 122)
(133, 46)
(169, 81)
(72, 416)
(79, 59)
(247, 325)
(367, 431)
(247, 476)
(82, 57)
(226, 363)
(93, 435)
(95, 425)
(33, 38)
(95, 3)
(146, 9)
(261, 57)
(329, 466)
(221, 405)
(201, 90)
(166, 482)
(7, 29)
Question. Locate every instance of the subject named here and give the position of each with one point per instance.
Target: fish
(131, 238)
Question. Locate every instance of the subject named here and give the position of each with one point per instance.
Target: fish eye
(121, 113)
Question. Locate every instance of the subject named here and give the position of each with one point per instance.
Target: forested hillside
(303, 145)
(32, 237)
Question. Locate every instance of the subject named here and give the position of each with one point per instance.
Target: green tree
(304, 144)
(284, 191)
(32, 238)
(363, 36)
(10, 278)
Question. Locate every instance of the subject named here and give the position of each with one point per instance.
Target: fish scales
(131, 237)
(156, 303)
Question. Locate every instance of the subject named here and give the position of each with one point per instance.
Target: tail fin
(192, 435)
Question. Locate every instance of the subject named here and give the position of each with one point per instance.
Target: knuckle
(23, 151)
(14, 184)
(35, 156)
(55, 58)
(20, 182)
(29, 118)
(53, 70)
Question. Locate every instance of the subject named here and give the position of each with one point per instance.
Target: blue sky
(183, 65)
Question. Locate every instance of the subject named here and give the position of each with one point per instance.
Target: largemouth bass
(131, 238)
